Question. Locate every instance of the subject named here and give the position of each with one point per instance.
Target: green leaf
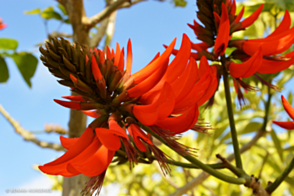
(34, 11)
(27, 64)
(67, 21)
(8, 44)
(180, 3)
(4, 74)
(62, 8)
(278, 145)
(49, 13)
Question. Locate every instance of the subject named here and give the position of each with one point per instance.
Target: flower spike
(250, 20)
(154, 99)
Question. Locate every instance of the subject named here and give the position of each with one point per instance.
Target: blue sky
(148, 24)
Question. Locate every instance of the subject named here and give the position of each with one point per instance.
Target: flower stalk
(273, 186)
(204, 167)
(231, 115)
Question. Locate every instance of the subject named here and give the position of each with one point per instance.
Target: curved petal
(182, 123)
(129, 57)
(96, 164)
(150, 82)
(166, 101)
(274, 66)
(209, 92)
(197, 92)
(117, 55)
(74, 98)
(95, 69)
(81, 144)
(62, 168)
(251, 19)
(247, 68)
(240, 15)
(67, 143)
(272, 45)
(286, 125)
(183, 85)
(108, 138)
(158, 108)
(67, 104)
(222, 39)
(157, 63)
(289, 109)
(284, 25)
(138, 134)
(91, 113)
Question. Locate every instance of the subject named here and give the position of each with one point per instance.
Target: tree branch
(104, 13)
(100, 33)
(27, 135)
(203, 175)
(166, 177)
(273, 186)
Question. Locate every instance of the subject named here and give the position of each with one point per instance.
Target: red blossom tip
(71, 105)
(289, 109)
(251, 19)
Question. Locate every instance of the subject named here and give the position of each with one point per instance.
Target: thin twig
(203, 175)
(104, 13)
(95, 40)
(273, 186)
(27, 135)
(166, 177)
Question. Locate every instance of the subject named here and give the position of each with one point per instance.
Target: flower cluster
(161, 99)
(290, 111)
(257, 56)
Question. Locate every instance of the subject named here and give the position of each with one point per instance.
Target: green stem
(267, 107)
(192, 166)
(272, 187)
(231, 115)
(206, 168)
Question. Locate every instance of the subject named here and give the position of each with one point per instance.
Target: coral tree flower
(2, 25)
(258, 56)
(160, 99)
(290, 111)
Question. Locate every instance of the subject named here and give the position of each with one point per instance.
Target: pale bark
(77, 123)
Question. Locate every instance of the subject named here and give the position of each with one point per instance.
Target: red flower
(277, 42)
(2, 25)
(290, 110)
(162, 98)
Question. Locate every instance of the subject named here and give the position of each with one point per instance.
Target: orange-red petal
(97, 164)
(251, 19)
(286, 125)
(289, 109)
(247, 68)
(67, 143)
(182, 123)
(81, 144)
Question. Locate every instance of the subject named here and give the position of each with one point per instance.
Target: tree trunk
(77, 124)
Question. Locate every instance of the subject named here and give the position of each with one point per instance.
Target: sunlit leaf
(34, 11)
(8, 44)
(49, 13)
(26, 64)
(4, 74)
(180, 3)
(277, 143)
(62, 9)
